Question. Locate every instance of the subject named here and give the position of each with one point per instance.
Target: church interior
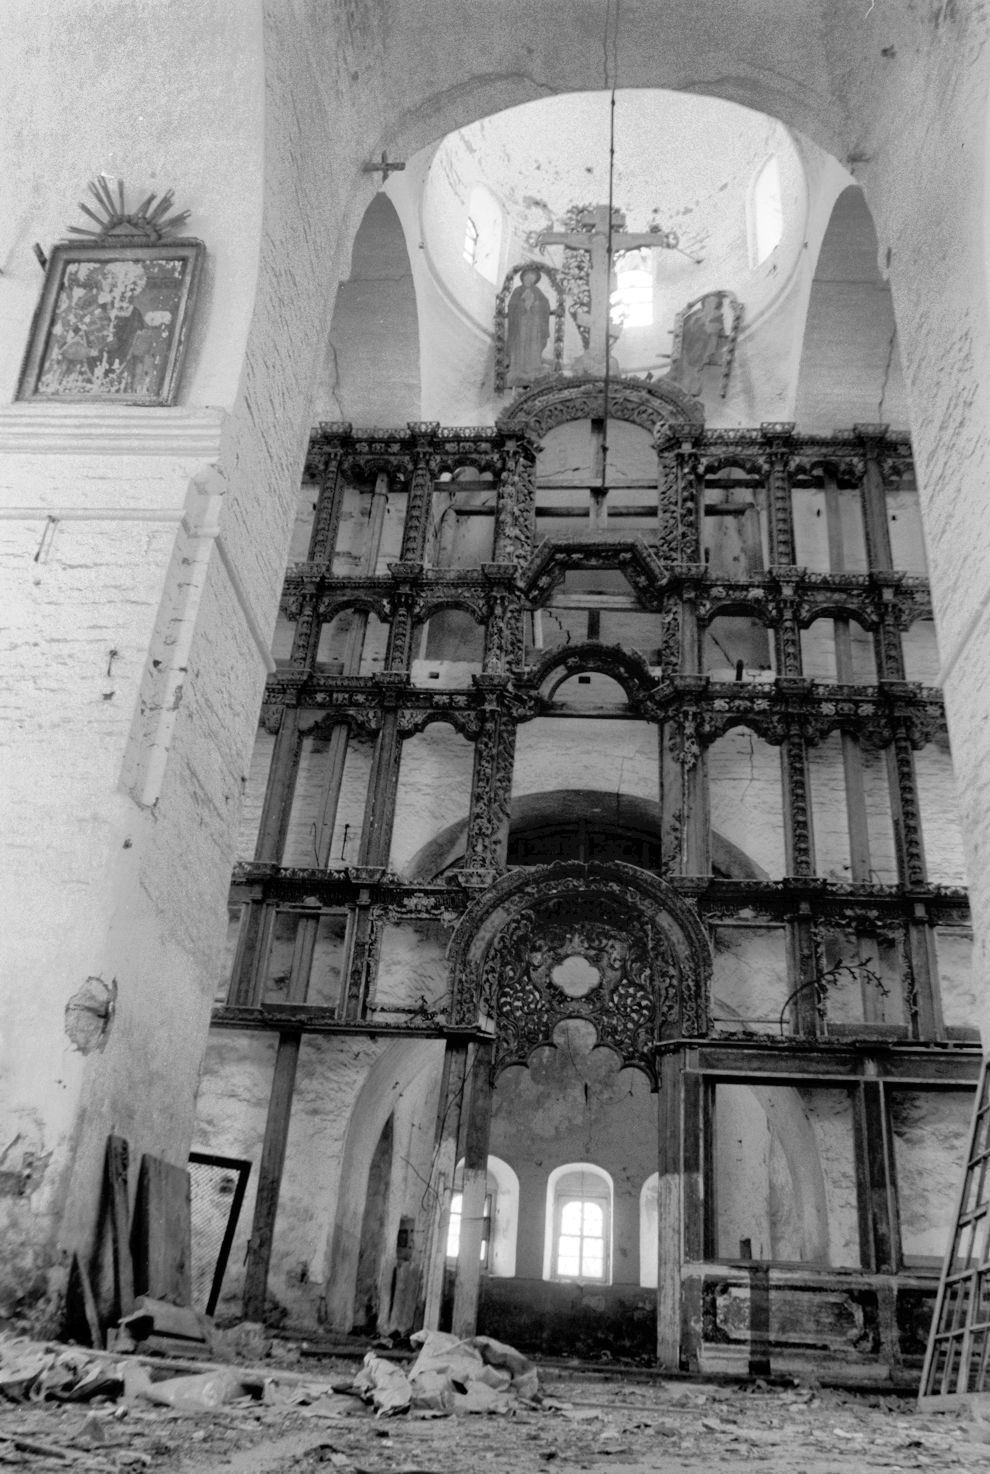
(481, 787)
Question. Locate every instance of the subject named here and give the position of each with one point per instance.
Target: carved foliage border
(640, 920)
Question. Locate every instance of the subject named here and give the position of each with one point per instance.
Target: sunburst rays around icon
(150, 221)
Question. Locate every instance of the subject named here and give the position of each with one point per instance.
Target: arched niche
(404, 1080)
(850, 368)
(371, 369)
(610, 945)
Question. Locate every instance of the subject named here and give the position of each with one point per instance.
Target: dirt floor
(586, 1421)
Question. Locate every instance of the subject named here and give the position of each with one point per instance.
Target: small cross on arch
(385, 167)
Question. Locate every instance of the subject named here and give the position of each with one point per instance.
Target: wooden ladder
(957, 1361)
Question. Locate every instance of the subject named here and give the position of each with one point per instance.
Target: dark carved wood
(632, 929)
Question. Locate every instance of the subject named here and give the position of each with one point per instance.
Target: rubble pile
(456, 1406)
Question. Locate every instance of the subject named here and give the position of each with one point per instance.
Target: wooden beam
(449, 1109)
(270, 1176)
(478, 1126)
(118, 1153)
(670, 1238)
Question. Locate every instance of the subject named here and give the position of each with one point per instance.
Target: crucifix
(593, 237)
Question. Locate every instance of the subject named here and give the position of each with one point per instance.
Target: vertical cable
(611, 86)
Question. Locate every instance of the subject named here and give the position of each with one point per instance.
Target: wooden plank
(270, 1176)
(161, 1236)
(81, 1286)
(118, 1154)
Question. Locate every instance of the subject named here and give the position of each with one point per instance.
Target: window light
(766, 213)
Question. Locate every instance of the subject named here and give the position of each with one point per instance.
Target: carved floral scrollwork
(411, 721)
(607, 943)
(685, 747)
(798, 800)
(491, 797)
(515, 515)
(270, 718)
(640, 401)
(628, 985)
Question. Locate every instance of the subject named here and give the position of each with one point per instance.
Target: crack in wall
(888, 366)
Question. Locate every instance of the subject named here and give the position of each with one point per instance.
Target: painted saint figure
(528, 315)
(703, 341)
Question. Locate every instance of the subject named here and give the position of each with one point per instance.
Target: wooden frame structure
(690, 710)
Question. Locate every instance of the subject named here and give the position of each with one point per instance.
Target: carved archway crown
(609, 944)
(640, 401)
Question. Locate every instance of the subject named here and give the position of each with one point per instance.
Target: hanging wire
(611, 82)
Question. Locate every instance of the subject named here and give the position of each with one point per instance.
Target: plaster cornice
(84, 429)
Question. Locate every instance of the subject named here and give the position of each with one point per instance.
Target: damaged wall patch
(89, 1014)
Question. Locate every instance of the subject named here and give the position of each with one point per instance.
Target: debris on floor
(68, 1408)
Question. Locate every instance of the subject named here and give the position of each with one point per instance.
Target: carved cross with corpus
(593, 237)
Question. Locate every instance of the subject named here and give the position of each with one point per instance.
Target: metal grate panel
(217, 1186)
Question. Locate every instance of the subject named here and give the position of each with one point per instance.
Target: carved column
(684, 806)
(399, 653)
(787, 635)
(874, 494)
(420, 492)
(679, 494)
(500, 646)
(670, 637)
(798, 831)
(329, 504)
(491, 786)
(888, 643)
(515, 507)
(800, 860)
(904, 806)
(690, 495)
(779, 437)
(306, 637)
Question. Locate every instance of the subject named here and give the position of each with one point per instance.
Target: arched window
(578, 1244)
(483, 233)
(766, 213)
(501, 1215)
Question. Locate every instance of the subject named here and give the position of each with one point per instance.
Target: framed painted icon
(112, 322)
